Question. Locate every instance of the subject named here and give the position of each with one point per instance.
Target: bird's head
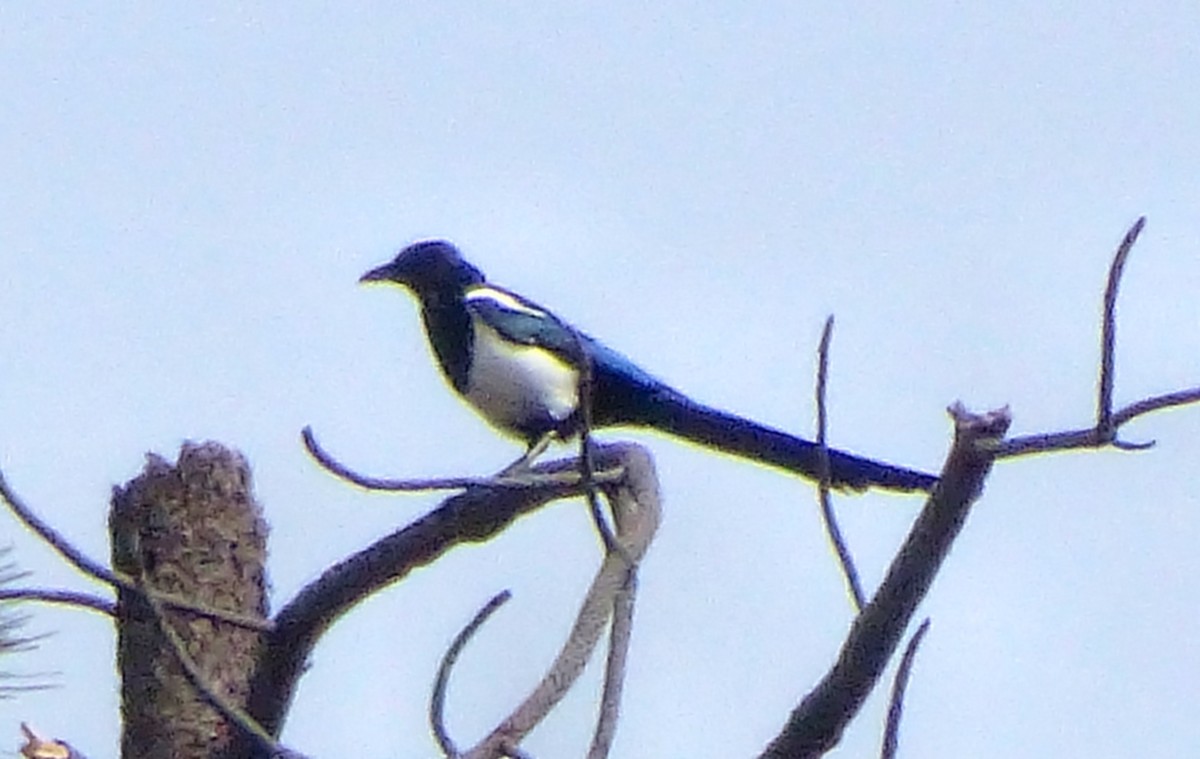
(427, 267)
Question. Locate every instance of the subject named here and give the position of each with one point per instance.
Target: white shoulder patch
(503, 299)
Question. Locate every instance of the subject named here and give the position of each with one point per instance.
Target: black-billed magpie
(519, 365)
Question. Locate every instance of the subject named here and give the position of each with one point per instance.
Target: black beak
(385, 273)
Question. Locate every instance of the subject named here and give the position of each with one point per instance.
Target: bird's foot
(522, 465)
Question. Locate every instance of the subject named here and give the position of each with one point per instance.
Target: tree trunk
(192, 531)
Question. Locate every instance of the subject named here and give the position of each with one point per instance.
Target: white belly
(508, 383)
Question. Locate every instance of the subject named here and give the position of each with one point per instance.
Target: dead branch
(437, 701)
(474, 516)
(816, 725)
(97, 571)
(559, 475)
(635, 505)
(61, 598)
(891, 732)
(53, 538)
(828, 516)
(1108, 423)
(1108, 328)
(619, 637)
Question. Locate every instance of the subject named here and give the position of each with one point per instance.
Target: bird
(523, 369)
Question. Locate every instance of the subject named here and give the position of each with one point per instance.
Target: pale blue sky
(189, 194)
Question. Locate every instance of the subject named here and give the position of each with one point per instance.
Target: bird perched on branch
(523, 369)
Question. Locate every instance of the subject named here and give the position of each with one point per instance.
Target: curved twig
(635, 505)
(1156, 403)
(828, 517)
(515, 482)
(1108, 329)
(1108, 423)
(54, 539)
(475, 515)
(437, 701)
(891, 733)
(98, 571)
(1091, 437)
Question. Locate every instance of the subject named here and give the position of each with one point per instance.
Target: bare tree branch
(1104, 432)
(620, 632)
(535, 479)
(115, 579)
(437, 702)
(1156, 403)
(635, 506)
(475, 515)
(620, 635)
(816, 725)
(61, 598)
(587, 468)
(1091, 437)
(828, 517)
(11, 640)
(1108, 328)
(891, 733)
(53, 538)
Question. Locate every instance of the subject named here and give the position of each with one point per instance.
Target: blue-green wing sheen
(520, 321)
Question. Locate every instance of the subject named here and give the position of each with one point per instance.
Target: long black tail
(670, 411)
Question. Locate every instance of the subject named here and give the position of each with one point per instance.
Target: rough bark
(194, 531)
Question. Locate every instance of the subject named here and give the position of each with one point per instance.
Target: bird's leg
(521, 465)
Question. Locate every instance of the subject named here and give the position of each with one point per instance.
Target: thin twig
(62, 598)
(1070, 440)
(10, 642)
(589, 625)
(74, 556)
(1108, 329)
(232, 713)
(891, 733)
(587, 469)
(8, 571)
(98, 571)
(473, 516)
(828, 517)
(1104, 432)
(437, 702)
(9, 689)
(1156, 403)
(173, 601)
(524, 481)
